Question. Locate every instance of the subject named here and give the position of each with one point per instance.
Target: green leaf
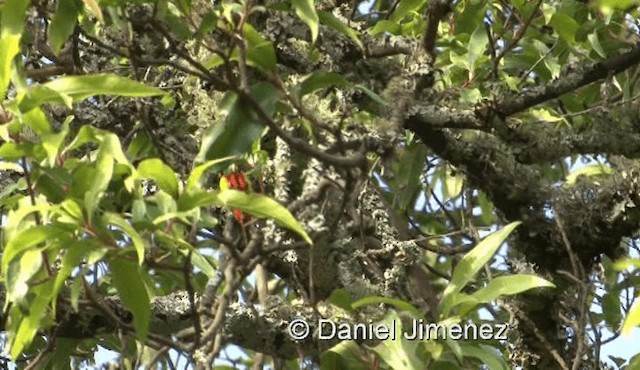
(407, 185)
(341, 298)
(12, 21)
(26, 239)
(331, 21)
(74, 254)
(385, 26)
(400, 353)
(565, 26)
(405, 7)
(305, 9)
(104, 165)
(162, 174)
(16, 222)
(193, 181)
(37, 121)
(471, 263)
(626, 263)
(10, 166)
(81, 87)
(52, 142)
(611, 309)
(595, 44)
(262, 207)
(608, 6)
(260, 52)
(504, 286)
(64, 350)
(344, 355)
(242, 126)
(319, 80)
(592, 170)
(14, 151)
(257, 205)
(9, 48)
(477, 45)
(375, 97)
(200, 261)
(30, 322)
(633, 318)
(62, 25)
(128, 281)
(95, 9)
(488, 355)
(398, 303)
(19, 272)
(452, 183)
(136, 239)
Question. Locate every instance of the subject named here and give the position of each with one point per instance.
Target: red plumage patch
(237, 181)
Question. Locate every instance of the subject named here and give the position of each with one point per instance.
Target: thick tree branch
(573, 78)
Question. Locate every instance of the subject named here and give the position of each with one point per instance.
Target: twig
(521, 31)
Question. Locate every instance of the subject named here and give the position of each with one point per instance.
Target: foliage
(410, 162)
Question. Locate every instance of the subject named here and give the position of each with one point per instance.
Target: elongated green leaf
(400, 353)
(305, 9)
(52, 143)
(136, 239)
(592, 170)
(262, 207)
(341, 298)
(477, 45)
(242, 126)
(344, 355)
(26, 239)
(203, 263)
(13, 151)
(95, 9)
(10, 166)
(405, 7)
(331, 21)
(9, 48)
(257, 205)
(131, 289)
(73, 256)
(19, 272)
(471, 263)
(37, 121)
(319, 80)
(488, 355)
(13, 16)
(104, 166)
(63, 22)
(452, 183)
(81, 87)
(17, 223)
(502, 286)
(397, 303)
(162, 174)
(565, 26)
(611, 308)
(510, 285)
(633, 318)
(193, 199)
(193, 181)
(30, 322)
(375, 97)
(260, 52)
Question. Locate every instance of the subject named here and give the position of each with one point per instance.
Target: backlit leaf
(131, 289)
(471, 263)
